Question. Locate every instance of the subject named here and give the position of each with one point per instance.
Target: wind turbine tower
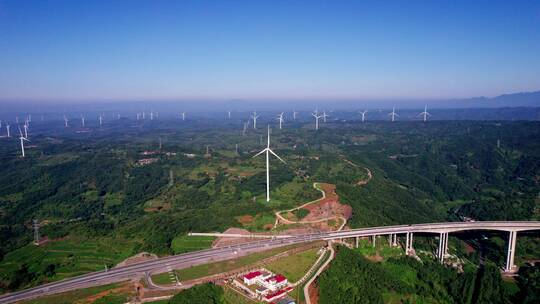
(268, 151)
(363, 115)
(324, 115)
(254, 116)
(100, 119)
(424, 114)
(245, 129)
(280, 119)
(65, 121)
(294, 114)
(22, 138)
(7, 128)
(317, 116)
(82, 120)
(35, 225)
(183, 116)
(393, 114)
(25, 131)
(229, 113)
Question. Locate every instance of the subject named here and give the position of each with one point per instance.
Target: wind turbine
(317, 116)
(425, 114)
(7, 128)
(280, 119)
(183, 116)
(65, 121)
(324, 115)
(363, 115)
(25, 131)
(254, 116)
(22, 138)
(245, 129)
(100, 119)
(267, 150)
(229, 113)
(82, 120)
(294, 114)
(393, 114)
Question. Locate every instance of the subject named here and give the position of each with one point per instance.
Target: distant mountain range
(523, 99)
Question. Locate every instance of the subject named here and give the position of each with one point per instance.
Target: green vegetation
(208, 294)
(295, 266)
(406, 280)
(203, 294)
(97, 205)
(185, 243)
(228, 265)
(112, 294)
(56, 260)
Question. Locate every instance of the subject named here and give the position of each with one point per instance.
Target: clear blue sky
(103, 50)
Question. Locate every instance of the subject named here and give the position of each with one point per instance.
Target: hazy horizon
(76, 52)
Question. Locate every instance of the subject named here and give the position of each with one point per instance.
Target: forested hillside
(115, 187)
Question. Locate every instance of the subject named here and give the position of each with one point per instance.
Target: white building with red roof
(252, 277)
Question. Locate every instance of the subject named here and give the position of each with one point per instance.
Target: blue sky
(134, 50)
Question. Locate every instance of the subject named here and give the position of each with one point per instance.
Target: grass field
(184, 243)
(232, 297)
(224, 266)
(295, 266)
(164, 278)
(110, 294)
(71, 256)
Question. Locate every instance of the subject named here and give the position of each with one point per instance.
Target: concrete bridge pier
(357, 241)
(409, 243)
(394, 240)
(443, 246)
(510, 267)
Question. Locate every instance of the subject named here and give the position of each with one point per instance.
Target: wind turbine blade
(260, 153)
(276, 156)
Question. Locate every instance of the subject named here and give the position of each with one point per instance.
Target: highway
(186, 260)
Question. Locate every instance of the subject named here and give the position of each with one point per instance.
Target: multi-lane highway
(224, 253)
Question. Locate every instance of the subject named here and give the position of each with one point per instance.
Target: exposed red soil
(313, 293)
(245, 219)
(327, 207)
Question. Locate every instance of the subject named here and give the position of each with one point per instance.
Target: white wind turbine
(100, 119)
(25, 131)
(280, 119)
(65, 121)
(363, 115)
(425, 114)
(22, 138)
(393, 114)
(267, 150)
(317, 116)
(324, 115)
(254, 116)
(294, 114)
(183, 116)
(7, 128)
(245, 129)
(82, 120)
(229, 113)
